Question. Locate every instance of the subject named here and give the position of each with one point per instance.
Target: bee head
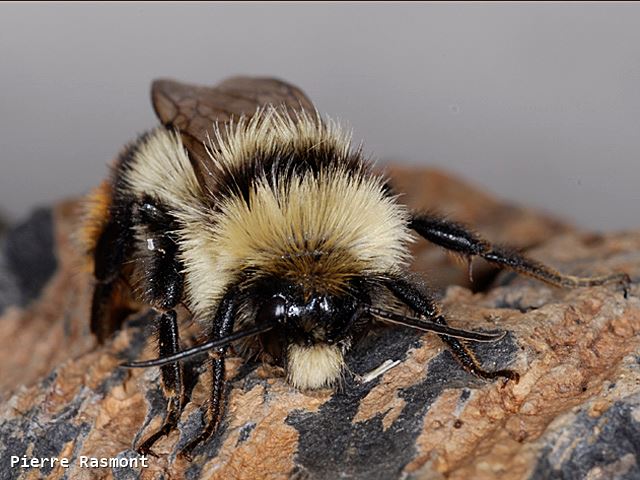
(313, 331)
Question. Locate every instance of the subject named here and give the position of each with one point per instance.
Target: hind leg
(461, 240)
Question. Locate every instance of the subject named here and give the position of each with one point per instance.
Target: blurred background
(537, 103)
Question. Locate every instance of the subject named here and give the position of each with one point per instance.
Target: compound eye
(274, 310)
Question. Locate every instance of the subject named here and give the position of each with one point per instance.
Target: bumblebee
(256, 214)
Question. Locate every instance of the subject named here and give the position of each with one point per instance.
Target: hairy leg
(162, 288)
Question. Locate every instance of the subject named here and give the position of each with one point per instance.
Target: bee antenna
(432, 326)
(198, 349)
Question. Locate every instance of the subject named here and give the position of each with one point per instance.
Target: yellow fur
(313, 367)
(347, 221)
(162, 169)
(271, 130)
(321, 230)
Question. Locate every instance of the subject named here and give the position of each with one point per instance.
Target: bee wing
(193, 110)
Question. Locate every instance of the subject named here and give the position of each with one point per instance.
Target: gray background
(539, 103)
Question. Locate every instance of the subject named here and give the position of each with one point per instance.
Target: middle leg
(162, 288)
(172, 381)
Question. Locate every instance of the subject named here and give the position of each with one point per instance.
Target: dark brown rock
(574, 414)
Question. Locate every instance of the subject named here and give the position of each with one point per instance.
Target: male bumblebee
(257, 215)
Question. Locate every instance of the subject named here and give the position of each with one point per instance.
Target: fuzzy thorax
(317, 228)
(313, 367)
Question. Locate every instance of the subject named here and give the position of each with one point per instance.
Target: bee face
(313, 332)
(319, 320)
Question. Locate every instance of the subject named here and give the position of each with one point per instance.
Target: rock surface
(575, 412)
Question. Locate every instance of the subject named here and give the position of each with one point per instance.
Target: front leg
(459, 239)
(222, 327)
(427, 307)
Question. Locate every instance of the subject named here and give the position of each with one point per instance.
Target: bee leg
(223, 326)
(215, 407)
(111, 251)
(172, 384)
(423, 305)
(162, 288)
(459, 239)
